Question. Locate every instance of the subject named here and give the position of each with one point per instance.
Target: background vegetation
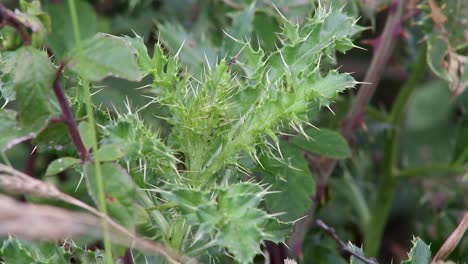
(187, 131)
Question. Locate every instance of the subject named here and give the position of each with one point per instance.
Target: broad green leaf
(119, 192)
(420, 253)
(106, 55)
(143, 59)
(13, 251)
(240, 29)
(291, 181)
(193, 52)
(436, 52)
(10, 130)
(109, 153)
(55, 140)
(324, 142)
(61, 164)
(266, 27)
(425, 133)
(62, 38)
(32, 75)
(85, 133)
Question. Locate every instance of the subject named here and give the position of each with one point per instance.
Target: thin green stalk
(356, 197)
(462, 157)
(442, 168)
(388, 181)
(90, 114)
(5, 158)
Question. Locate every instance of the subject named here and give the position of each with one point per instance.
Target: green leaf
(324, 142)
(143, 59)
(194, 53)
(85, 134)
(55, 139)
(358, 251)
(241, 28)
(119, 192)
(35, 19)
(109, 153)
(11, 132)
(60, 165)
(62, 38)
(291, 182)
(13, 251)
(420, 253)
(31, 74)
(231, 216)
(106, 55)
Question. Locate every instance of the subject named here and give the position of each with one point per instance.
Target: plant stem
(433, 168)
(388, 182)
(5, 158)
(8, 17)
(360, 103)
(356, 198)
(68, 119)
(342, 245)
(90, 114)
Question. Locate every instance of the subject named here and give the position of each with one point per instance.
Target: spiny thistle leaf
(229, 217)
(143, 152)
(291, 182)
(420, 253)
(212, 122)
(358, 251)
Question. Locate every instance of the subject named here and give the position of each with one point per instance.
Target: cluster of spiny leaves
(192, 190)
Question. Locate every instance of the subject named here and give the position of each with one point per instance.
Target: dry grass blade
(452, 241)
(41, 222)
(13, 181)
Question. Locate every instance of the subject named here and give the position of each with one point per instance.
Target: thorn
(180, 49)
(79, 182)
(33, 150)
(328, 106)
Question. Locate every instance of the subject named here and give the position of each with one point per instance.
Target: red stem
(67, 117)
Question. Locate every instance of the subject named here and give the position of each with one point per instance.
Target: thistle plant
(194, 190)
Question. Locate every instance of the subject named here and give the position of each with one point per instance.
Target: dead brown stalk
(452, 241)
(16, 182)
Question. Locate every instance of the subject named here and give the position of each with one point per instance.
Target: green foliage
(12, 133)
(419, 254)
(229, 218)
(62, 38)
(291, 183)
(106, 55)
(61, 164)
(119, 192)
(324, 142)
(13, 251)
(30, 74)
(216, 152)
(18, 251)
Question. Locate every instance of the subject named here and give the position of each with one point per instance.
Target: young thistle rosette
(145, 156)
(231, 110)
